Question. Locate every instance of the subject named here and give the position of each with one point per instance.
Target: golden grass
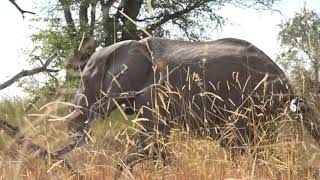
(195, 159)
(295, 155)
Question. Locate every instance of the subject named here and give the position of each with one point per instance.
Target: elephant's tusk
(68, 117)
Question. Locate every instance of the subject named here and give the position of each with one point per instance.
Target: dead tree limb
(42, 152)
(24, 73)
(20, 9)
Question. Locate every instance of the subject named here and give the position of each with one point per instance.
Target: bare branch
(149, 18)
(24, 73)
(168, 17)
(19, 8)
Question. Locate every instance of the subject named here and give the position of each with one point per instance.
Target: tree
(76, 28)
(300, 40)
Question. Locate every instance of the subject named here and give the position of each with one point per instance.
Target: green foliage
(13, 110)
(301, 32)
(299, 37)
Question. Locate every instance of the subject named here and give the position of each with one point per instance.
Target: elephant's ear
(140, 51)
(131, 50)
(136, 57)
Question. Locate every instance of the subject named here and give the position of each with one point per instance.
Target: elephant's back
(227, 50)
(230, 68)
(219, 57)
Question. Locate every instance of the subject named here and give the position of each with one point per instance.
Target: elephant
(202, 87)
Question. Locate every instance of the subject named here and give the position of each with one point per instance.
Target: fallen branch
(83, 138)
(24, 73)
(42, 152)
(20, 9)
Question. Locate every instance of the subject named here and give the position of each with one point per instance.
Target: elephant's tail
(309, 116)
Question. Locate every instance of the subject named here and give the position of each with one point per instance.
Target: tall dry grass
(294, 154)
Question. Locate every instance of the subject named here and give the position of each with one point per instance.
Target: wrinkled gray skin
(215, 62)
(230, 68)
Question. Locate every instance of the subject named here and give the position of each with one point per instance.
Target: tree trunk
(316, 77)
(131, 8)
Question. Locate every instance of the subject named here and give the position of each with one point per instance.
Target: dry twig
(20, 9)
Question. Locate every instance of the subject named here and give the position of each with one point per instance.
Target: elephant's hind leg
(137, 154)
(134, 156)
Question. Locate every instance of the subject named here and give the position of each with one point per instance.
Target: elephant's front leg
(153, 136)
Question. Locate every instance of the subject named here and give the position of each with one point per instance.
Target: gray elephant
(204, 87)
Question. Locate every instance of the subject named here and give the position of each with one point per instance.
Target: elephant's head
(102, 76)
